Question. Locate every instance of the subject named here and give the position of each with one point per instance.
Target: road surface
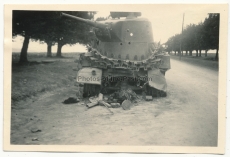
(188, 116)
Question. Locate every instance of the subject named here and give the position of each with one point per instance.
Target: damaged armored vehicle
(122, 55)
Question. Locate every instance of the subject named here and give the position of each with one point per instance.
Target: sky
(37, 47)
(166, 22)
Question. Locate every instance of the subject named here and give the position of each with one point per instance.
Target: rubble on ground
(125, 97)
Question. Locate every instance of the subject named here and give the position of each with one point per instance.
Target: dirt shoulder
(41, 75)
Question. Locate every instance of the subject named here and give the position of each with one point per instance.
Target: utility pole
(181, 35)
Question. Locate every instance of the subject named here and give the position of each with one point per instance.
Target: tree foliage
(26, 24)
(101, 18)
(49, 27)
(203, 36)
(70, 31)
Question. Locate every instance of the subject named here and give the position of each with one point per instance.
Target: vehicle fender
(157, 80)
(89, 75)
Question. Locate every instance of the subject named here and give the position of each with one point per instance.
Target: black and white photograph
(116, 78)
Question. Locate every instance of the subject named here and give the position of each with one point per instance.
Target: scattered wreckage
(122, 58)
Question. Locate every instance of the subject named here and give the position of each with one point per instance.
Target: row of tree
(50, 28)
(204, 36)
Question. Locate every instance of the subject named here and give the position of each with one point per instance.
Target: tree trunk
(49, 49)
(217, 55)
(59, 49)
(206, 53)
(190, 52)
(196, 53)
(175, 53)
(186, 52)
(23, 55)
(199, 53)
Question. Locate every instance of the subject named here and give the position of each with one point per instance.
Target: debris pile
(122, 98)
(125, 97)
(123, 94)
(94, 101)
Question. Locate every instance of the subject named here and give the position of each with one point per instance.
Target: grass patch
(35, 77)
